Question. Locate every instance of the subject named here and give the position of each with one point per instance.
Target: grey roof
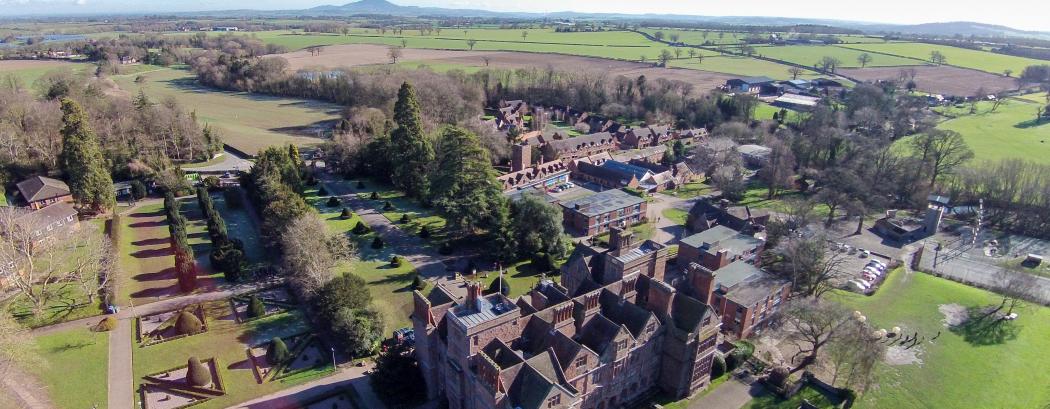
(44, 217)
(754, 289)
(578, 142)
(487, 308)
(647, 247)
(757, 150)
(623, 312)
(42, 188)
(530, 388)
(599, 332)
(753, 80)
(735, 273)
(722, 237)
(687, 313)
(603, 202)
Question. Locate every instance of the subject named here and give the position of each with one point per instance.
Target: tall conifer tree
(411, 150)
(88, 176)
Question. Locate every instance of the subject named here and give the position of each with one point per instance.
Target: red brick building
(612, 333)
(601, 211)
(744, 296)
(41, 191)
(719, 246)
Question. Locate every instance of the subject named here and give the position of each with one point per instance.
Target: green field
(700, 37)
(1009, 132)
(808, 55)
(248, 122)
(955, 373)
(961, 57)
(75, 367)
(742, 66)
(29, 71)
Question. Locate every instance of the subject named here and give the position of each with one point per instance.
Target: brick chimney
(473, 294)
(620, 240)
(521, 158)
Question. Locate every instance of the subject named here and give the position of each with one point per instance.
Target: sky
(1021, 14)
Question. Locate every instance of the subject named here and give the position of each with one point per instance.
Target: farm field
(937, 79)
(700, 37)
(615, 45)
(967, 368)
(28, 71)
(960, 57)
(741, 66)
(246, 122)
(808, 55)
(1010, 132)
(444, 60)
(74, 368)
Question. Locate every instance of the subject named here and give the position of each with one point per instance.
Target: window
(581, 361)
(621, 345)
(475, 340)
(554, 401)
(650, 328)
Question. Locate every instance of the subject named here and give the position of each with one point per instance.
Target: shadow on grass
(165, 274)
(164, 252)
(265, 329)
(71, 346)
(1031, 123)
(152, 242)
(985, 327)
(139, 215)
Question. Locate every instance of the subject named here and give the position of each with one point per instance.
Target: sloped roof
(688, 313)
(625, 313)
(42, 188)
(599, 333)
(581, 141)
(42, 218)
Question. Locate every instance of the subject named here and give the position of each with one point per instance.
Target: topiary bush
(395, 261)
(196, 373)
(187, 323)
(186, 273)
(346, 214)
(333, 201)
(718, 367)
(107, 324)
(256, 308)
(277, 353)
(360, 228)
(321, 191)
(377, 243)
(543, 262)
(387, 206)
(418, 283)
(405, 218)
(374, 196)
(424, 232)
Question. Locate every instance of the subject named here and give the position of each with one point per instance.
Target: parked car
(881, 264)
(864, 254)
(859, 286)
(873, 270)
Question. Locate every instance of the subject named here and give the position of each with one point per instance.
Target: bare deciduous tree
(811, 325)
(394, 53)
(809, 263)
(311, 252)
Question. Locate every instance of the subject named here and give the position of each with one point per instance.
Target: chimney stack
(473, 294)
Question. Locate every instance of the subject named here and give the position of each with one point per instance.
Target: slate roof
(598, 333)
(41, 218)
(722, 237)
(754, 289)
(487, 309)
(603, 202)
(42, 188)
(623, 312)
(579, 142)
(530, 389)
(688, 313)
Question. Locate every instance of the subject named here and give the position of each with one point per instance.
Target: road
(230, 163)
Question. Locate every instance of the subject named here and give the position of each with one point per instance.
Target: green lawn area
(1009, 132)
(520, 276)
(226, 341)
(690, 190)
(246, 122)
(642, 232)
(962, 57)
(389, 285)
(418, 215)
(955, 373)
(808, 393)
(146, 262)
(676, 215)
(30, 71)
(75, 366)
(67, 302)
(239, 225)
(755, 197)
(1039, 97)
(684, 403)
(808, 55)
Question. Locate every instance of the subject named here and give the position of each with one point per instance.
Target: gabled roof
(42, 188)
(570, 144)
(41, 218)
(625, 313)
(598, 333)
(688, 313)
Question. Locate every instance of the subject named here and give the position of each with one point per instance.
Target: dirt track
(366, 54)
(938, 80)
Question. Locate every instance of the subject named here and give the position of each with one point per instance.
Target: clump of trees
(185, 262)
(227, 255)
(397, 378)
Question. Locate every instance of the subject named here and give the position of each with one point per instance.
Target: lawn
(755, 197)
(690, 190)
(418, 215)
(146, 260)
(808, 393)
(248, 122)
(808, 55)
(520, 276)
(389, 285)
(684, 403)
(955, 373)
(960, 57)
(226, 341)
(240, 225)
(67, 302)
(1009, 132)
(676, 215)
(74, 369)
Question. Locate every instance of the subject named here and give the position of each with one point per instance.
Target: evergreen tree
(277, 352)
(196, 373)
(256, 308)
(464, 184)
(537, 227)
(411, 151)
(82, 161)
